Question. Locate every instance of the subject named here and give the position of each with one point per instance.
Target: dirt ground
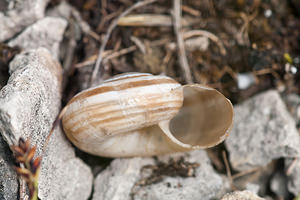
(258, 37)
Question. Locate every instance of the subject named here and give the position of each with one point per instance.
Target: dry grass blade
(209, 35)
(228, 169)
(109, 31)
(27, 167)
(181, 50)
(145, 20)
(291, 167)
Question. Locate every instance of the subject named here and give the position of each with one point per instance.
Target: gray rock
(293, 104)
(47, 32)
(29, 104)
(18, 15)
(116, 181)
(8, 176)
(120, 180)
(263, 130)
(241, 195)
(294, 176)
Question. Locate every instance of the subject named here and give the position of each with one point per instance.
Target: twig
(119, 53)
(227, 169)
(109, 31)
(138, 43)
(108, 54)
(209, 35)
(243, 173)
(180, 43)
(106, 18)
(166, 60)
(85, 27)
(191, 11)
(291, 167)
(67, 62)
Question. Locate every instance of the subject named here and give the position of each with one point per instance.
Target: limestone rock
(120, 181)
(263, 130)
(29, 103)
(293, 104)
(241, 195)
(18, 15)
(47, 32)
(115, 182)
(8, 177)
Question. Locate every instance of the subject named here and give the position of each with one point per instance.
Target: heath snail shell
(139, 114)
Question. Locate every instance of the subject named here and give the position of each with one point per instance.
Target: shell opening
(204, 119)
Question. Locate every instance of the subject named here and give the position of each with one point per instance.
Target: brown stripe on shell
(124, 77)
(100, 115)
(114, 120)
(102, 89)
(150, 98)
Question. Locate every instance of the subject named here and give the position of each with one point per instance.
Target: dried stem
(209, 35)
(291, 167)
(227, 169)
(85, 27)
(180, 43)
(246, 172)
(108, 33)
(108, 54)
(27, 167)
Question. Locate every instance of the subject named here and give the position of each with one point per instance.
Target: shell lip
(189, 146)
(164, 125)
(219, 138)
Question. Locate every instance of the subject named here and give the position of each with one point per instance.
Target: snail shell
(139, 114)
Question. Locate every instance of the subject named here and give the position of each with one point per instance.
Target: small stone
(18, 15)
(29, 103)
(268, 13)
(294, 176)
(245, 80)
(47, 32)
(253, 187)
(279, 185)
(8, 177)
(263, 130)
(125, 180)
(241, 195)
(63, 9)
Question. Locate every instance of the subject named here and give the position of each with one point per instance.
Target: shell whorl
(139, 114)
(120, 105)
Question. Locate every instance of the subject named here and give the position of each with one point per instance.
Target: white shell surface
(120, 105)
